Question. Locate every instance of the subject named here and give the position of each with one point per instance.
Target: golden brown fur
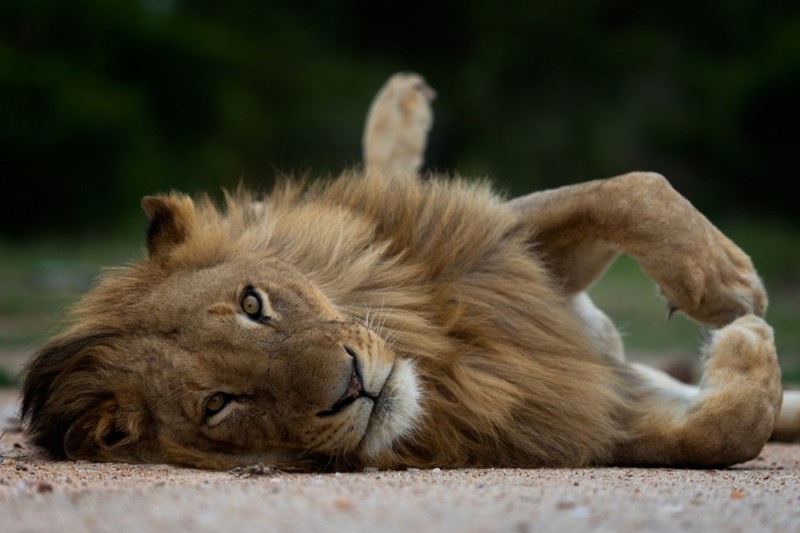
(377, 321)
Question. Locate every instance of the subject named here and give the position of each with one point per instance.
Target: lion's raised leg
(724, 421)
(580, 230)
(397, 125)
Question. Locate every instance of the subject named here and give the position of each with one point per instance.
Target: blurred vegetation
(103, 102)
(6, 379)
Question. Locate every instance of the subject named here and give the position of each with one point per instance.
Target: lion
(393, 320)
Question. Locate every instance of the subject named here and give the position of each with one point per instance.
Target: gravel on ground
(41, 495)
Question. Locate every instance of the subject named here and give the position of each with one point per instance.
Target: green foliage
(103, 102)
(772, 243)
(6, 379)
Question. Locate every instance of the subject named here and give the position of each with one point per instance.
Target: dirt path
(37, 495)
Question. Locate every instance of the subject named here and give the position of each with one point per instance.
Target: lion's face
(237, 362)
(261, 361)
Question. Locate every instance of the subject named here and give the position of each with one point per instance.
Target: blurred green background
(102, 102)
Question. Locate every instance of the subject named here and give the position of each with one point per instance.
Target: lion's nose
(354, 389)
(356, 386)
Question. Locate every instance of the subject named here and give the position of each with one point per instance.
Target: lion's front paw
(714, 282)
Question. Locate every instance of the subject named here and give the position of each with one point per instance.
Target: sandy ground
(40, 495)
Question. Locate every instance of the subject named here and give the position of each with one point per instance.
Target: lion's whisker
(175, 394)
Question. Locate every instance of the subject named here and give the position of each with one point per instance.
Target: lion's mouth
(354, 391)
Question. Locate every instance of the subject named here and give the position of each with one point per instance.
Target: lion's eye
(216, 402)
(252, 304)
(256, 306)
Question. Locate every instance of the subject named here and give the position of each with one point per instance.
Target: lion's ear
(102, 433)
(172, 220)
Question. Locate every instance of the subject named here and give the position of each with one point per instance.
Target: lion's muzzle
(354, 389)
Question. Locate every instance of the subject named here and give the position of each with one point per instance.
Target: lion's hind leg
(724, 421)
(397, 126)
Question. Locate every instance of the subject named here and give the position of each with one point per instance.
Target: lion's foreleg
(726, 420)
(578, 230)
(561, 228)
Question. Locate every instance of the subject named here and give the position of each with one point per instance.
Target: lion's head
(215, 352)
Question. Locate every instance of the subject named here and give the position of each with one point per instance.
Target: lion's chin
(395, 412)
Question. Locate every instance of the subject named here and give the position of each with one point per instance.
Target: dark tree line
(102, 102)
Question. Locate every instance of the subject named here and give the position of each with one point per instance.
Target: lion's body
(381, 320)
(440, 269)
